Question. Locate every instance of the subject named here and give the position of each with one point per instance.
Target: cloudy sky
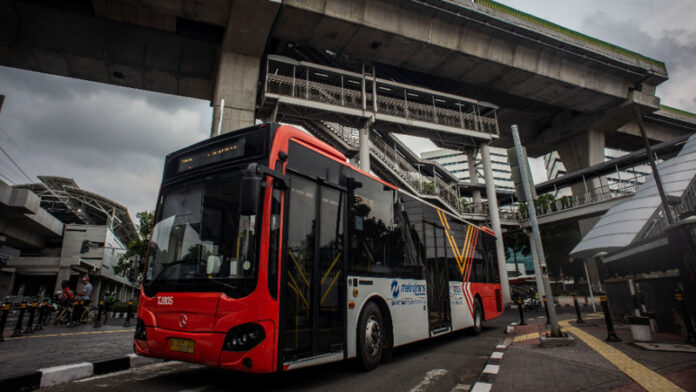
(113, 140)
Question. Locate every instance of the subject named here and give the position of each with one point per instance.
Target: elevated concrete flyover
(550, 80)
(538, 73)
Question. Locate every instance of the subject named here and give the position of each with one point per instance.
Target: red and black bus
(270, 252)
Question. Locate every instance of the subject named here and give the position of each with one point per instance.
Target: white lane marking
(481, 387)
(491, 369)
(497, 355)
(461, 388)
(501, 347)
(429, 376)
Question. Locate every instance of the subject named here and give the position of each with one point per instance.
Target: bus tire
(478, 317)
(370, 336)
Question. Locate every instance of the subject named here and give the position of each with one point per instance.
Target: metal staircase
(392, 166)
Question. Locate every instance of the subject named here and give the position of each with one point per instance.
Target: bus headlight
(244, 337)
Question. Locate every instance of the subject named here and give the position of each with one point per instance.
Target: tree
(139, 246)
(517, 242)
(558, 241)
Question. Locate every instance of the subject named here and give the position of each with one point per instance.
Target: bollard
(611, 335)
(42, 315)
(30, 323)
(577, 310)
(3, 320)
(20, 319)
(546, 308)
(97, 321)
(681, 305)
(519, 306)
(128, 314)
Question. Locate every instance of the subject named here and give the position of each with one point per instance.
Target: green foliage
(137, 247)
(558, 241)
(429, 188)
(544, 201)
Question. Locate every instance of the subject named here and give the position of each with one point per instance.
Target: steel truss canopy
(64, 199)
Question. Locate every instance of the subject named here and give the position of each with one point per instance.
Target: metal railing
(366, 92)
(602, 193)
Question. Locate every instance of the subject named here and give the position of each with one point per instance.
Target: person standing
(84, 296)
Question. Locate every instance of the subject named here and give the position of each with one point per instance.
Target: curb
(485, 381)
(56, 375)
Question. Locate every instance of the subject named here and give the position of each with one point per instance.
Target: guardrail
(366, 92)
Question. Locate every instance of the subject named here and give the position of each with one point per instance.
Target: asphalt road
(443, 364)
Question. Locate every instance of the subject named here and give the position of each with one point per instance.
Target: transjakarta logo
(416, 289)
(395, 289)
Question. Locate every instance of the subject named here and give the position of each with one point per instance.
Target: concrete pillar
(248, 28)
(473, 178)
(495, 221)
(537, 265)
(63, 274)
(236, 84)
(364, 148)
(580, 151)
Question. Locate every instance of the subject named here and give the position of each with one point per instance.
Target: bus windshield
(200, 242)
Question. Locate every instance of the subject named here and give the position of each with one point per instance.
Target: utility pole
(521, 159)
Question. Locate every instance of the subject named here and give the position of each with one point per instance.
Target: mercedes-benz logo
(183, 320)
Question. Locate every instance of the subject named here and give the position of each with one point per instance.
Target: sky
(113, 140)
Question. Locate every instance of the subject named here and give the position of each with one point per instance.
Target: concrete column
(473, 177)
(236, 84)
(364, 152)
(63, 274)
(537, 265)
(580, 151)
(248, 28)
(495, 221)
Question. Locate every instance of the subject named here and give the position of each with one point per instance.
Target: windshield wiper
(166, 267)
(223, 284)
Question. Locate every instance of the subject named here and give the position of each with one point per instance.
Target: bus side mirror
(250, 191)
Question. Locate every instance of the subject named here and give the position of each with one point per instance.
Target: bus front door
(313, 311)
(436, 278)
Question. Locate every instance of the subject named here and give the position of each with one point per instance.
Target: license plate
(182, 345)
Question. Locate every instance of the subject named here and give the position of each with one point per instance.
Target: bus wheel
(478, 317)
(370, 336)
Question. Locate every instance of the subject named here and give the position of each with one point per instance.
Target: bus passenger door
(312, 309)
(437, 280)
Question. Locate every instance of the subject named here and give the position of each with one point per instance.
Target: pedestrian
(84, 296)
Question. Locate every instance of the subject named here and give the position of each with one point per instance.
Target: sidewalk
(592, 364)
(59, 345)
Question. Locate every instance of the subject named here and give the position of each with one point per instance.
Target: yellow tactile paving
(70, 334)
(521, 338)
(646, 378)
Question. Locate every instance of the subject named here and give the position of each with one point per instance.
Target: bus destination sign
(233, 149)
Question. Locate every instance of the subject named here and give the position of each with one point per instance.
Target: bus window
(456, 267)
(491, 260)
(371, 211)
(407, 246)
(299, 265)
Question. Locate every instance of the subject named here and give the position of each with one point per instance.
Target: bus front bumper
(207, 349)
